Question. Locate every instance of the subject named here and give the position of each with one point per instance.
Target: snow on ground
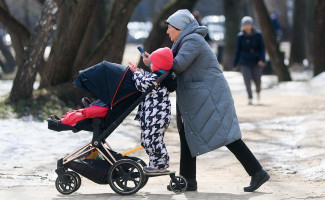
(27, 145)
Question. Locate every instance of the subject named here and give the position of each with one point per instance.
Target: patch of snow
(27, 147)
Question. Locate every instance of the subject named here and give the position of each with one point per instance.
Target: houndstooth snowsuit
(154, 115)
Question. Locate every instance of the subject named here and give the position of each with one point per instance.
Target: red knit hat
(161, 59)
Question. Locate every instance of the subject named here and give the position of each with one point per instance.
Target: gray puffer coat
(203, 94)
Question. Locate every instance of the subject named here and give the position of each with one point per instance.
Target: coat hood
(192, 27)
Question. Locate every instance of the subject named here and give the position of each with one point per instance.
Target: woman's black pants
(238, 148)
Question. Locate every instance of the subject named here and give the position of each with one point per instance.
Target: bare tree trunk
(93, 34)
(272, 46)
(23, 83)
(298, 48)
(309, 38)
(9, 65)
(72, 22)
(232, 24)
(158, 37)
(18, 32)
(319, 41)
(111, 47)
(281, 5)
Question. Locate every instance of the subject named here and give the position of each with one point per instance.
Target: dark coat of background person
(250, 49)
(203, 94)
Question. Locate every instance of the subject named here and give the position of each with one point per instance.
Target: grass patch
(40, 108)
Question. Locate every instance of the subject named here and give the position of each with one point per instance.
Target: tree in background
(282, 6)
(111, 46)
(309, 37)
(18, 32)
(23, 83)
(8, 66)
(232, 25)
(298, 45)
(319, 41)
(85, 35)
(71, 44)
(71, 26)
(271, 44)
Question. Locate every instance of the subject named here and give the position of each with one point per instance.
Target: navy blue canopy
(109, 82)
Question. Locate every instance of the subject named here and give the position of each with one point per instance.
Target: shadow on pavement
(149, 196)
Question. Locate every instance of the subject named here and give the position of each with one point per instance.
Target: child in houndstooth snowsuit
(154, 112)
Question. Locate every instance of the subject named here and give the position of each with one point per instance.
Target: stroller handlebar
(161, 78)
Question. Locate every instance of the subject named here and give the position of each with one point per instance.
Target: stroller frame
(69, 181)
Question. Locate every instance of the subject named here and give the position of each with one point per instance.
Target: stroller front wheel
(67, 183)
(125, 177)
(76, 175)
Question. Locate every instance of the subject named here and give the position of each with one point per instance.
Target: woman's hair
(170, 24)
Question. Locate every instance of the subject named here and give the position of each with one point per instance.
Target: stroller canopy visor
(109, 82)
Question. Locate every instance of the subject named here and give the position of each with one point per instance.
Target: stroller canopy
(109, 82)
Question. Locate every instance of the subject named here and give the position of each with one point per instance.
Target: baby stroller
(113, 84)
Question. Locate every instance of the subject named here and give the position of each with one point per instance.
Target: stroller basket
(95, 170)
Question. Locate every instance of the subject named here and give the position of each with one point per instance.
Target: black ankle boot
(191, 185)
(257, 180)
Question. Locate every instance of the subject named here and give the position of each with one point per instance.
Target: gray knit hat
(247, 20)
(180, 19)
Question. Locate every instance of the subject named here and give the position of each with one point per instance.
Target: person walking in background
(250, 56)
(276, 24)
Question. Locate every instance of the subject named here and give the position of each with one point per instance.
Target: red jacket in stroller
(73, 117)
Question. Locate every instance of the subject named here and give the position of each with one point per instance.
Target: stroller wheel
(145, 180)
(125, 177)
(143, 164)
(178, 184)
(67, 184)
(78, 179)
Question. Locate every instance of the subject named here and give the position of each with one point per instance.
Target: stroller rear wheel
(126, 177)
(67, 183)
(143, 164)
(146, 178)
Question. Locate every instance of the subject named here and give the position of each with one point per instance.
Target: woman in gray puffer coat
(207, 117)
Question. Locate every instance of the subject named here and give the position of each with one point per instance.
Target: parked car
(216, 27)
(138, 31)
